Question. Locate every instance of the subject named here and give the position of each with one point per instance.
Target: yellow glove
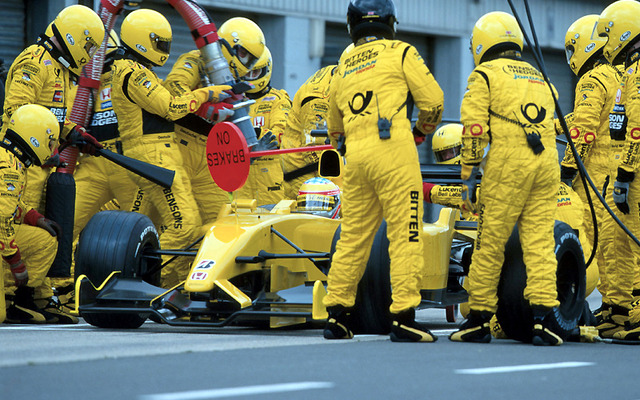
(588, 334)
(213, 94)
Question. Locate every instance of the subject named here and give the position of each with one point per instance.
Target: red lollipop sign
(228, 156)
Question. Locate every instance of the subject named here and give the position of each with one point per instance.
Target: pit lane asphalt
(158, 362)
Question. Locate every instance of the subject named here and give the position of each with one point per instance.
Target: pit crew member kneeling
(27, 239)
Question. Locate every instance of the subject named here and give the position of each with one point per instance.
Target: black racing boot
(337, 326)
(545, 326)
(476, 328)
(602, 312)
(21, 308)
(404, 328)
(613, 322)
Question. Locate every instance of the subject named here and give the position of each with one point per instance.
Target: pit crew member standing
(99, 180)
(269, 117)
(368, 105)
(589, 128)
(191, 133)
(45, 73)
(520, 178)
(145, 110)
(622, 27)
(27, 239)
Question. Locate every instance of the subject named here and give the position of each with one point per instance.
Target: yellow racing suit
(621, 277)
(144, 109)
(36, 246)
(99, 180)
(517, 185)
(589, 129)
(308, 111)
(188, 74)
(36, 77)
(268, 114)
(382, 177)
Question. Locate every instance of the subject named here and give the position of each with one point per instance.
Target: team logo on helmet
(70, 39)
(141, 48)
(34, 142)
(625, 36)
(589, 47)
(478, 49)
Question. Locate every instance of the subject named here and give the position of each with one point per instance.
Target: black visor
(447, 154)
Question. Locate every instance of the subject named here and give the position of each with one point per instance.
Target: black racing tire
(115, 241)
(514, 313)
(371, 312)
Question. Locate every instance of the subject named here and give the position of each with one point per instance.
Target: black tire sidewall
(114, 241)
(514, 312)
(371, 311)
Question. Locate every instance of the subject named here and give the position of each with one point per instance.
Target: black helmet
(371, 17)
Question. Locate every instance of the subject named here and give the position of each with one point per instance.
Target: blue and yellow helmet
(319, 196)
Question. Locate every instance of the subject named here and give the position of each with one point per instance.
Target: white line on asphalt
(518, 368)
(238, 391)
(443, 332)
(76, 327)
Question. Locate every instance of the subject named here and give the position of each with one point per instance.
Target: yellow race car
(267, 266)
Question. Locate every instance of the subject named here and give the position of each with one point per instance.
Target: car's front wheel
(116, 241)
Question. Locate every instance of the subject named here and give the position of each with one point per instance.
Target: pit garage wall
(12, 31)
(304, 35)
(445, 25)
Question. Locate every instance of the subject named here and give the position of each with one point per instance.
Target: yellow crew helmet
(260, 75)
(32, 134)
(147, 34)
(80, 32)
(582, 44)
(246, 44)
(620, 22)
(494, 33)
(447, 143)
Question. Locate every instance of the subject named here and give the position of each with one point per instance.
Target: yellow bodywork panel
(234, 292)
(437, 240)
(246, 233)
(319, 311)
